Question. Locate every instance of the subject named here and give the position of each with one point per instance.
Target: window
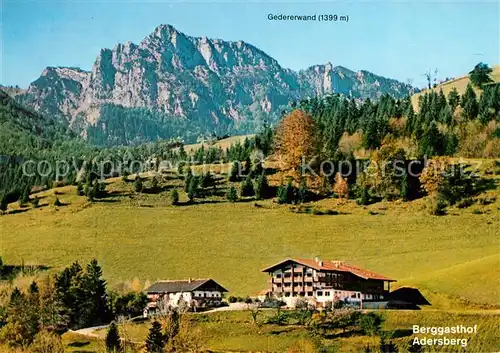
(353, 295)
(359, 295)
(309, 294)
(287, 294)
(278, 285)
(278, 275)
(320, 294)
(327, 294)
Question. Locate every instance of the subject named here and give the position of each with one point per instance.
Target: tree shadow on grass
(79, 344)
(21, 210)
(9, 272)
(106, 200)
(401, 333)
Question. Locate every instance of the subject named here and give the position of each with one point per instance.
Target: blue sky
(401, 40)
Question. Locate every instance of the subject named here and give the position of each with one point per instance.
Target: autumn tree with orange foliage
(295, 141)
(433, 177)
(340, 187)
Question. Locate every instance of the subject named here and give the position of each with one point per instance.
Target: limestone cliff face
(209, 83)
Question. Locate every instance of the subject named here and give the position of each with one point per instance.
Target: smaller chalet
(194, 293)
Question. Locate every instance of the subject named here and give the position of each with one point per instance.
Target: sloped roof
(332, 265)
(182, 286)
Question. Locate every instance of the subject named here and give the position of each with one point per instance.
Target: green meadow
(452, 259)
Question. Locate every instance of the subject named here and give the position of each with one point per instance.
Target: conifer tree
(3, 202)
(469, 103)
(174, 197)
(235, 171)
(193, 188)
(302, 193)
(261, 187)
(25, 196)
(480, 75)
(363, 196)
(405, 191)
(453, 99)
(155, 340)
(286, 193)
(113, 343)
(33, 288)
(247, 189)
(188, 178)
(95, 307)
(232, 194)
(57, 202)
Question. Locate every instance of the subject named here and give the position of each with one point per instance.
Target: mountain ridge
(195, 84)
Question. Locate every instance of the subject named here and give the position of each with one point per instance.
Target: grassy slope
(460, 83)
(235, 331)
(142, 236)
(224, 143)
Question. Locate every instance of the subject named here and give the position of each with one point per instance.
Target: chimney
(316, 259)
(189, 280)
(320, 263)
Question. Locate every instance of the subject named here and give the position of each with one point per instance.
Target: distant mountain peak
(228, 86)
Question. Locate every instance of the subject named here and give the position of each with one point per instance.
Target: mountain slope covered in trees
(174, 85)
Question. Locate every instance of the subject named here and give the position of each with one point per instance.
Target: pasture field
(454, 259)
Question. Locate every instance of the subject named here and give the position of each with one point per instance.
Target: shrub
(286, 193)
(35, 202)
(232, 299)
(466, 202)
(232, 194)
(79, 189)
(363, 196)
(46, 342)
(57, 202)
(477, 211)
(436, 205)
(154, 183)
(138, 186)
(174, 197)
(340, 187)
(371, 323)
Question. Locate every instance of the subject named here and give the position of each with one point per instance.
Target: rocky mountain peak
(215, 84)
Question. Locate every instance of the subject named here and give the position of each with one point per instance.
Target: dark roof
(332, 265)
(183, 286)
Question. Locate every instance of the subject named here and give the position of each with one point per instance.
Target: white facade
(189, 298)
